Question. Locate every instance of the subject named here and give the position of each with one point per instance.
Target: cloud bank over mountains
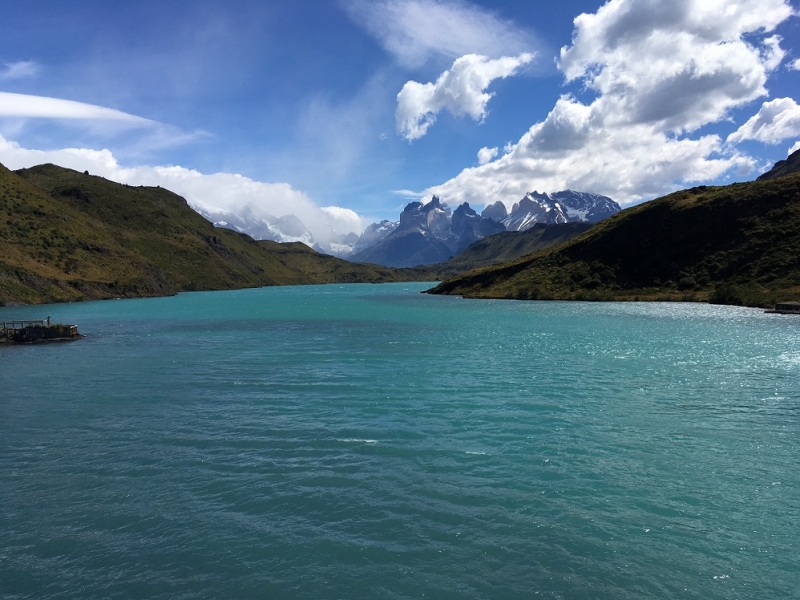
(215, 193)
(659, 71)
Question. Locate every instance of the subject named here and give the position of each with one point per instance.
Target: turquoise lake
(369, 441)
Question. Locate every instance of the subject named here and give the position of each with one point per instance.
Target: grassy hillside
(66, 235)
(323, 268)
(510, 245)
(782, 168)
(737, 244)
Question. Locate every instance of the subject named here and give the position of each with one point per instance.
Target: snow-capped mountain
(586, 207)
(373, 235)
(428, 233)
(567, 206)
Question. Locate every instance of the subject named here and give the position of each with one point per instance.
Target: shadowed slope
(736, 244)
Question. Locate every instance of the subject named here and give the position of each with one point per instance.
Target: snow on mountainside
(430, 233)
(284, 229)
(586, 207)
(373, 235)
(567, 206)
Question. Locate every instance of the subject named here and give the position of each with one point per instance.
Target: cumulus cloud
(218, 192)
(19, 70)
(658, 71)
(795, 64)
(486, 155)
(25, 106)
(795, 148)
(415, 30)
(777, 120)
(461, 91)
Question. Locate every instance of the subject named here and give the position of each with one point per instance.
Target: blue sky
(359, 106)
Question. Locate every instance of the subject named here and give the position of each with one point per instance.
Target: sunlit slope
(67, 235)
(736, 244)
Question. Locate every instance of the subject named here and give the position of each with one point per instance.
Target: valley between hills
(70, 236)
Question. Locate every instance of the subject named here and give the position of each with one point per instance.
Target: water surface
(367, 441)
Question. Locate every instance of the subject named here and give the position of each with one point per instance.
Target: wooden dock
(26, 332)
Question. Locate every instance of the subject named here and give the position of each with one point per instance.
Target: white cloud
(795, 64)
(218, 192)
(679, 64)
(19, 70)
(486, 155)
(41, 107)
(777, 120)
(658, 71)
(415, 30)
(795, 148)
(461, 91)
(343, 220)
(408, 194)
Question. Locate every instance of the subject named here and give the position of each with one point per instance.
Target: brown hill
(67, 235)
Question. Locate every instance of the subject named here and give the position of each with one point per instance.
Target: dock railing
(15, 325)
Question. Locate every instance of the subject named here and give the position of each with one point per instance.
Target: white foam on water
(356, 441)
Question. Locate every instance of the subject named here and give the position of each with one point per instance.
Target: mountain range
(430, 233)
(425, 233)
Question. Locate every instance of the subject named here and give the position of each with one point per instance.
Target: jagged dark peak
(465, 209)
(436, 204)
(495, 212)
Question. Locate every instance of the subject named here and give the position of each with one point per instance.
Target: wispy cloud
(408, 194)
(461, 91)
(42, 107)
(658, 72)
(19, 70)
(141, 136)
(413, 31)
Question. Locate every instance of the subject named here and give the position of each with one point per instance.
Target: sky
(343, 111)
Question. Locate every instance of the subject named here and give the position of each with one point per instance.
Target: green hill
(510, 245)
(66, 235)
(737, 244)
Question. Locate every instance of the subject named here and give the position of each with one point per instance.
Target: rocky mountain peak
(495, 212)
